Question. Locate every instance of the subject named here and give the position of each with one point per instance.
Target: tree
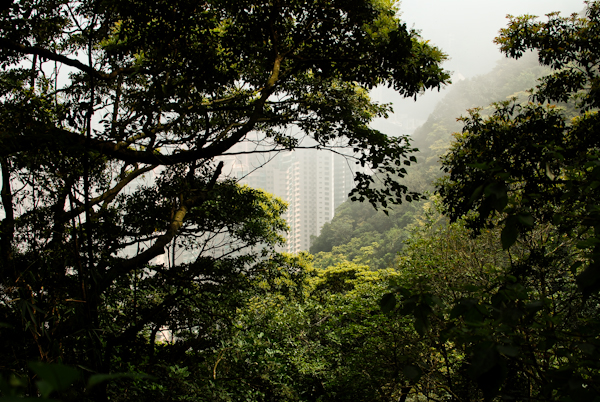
(537, 162)
(440, 267)
(325, 341)
(356, 226)
(113, 113)
(532, 169)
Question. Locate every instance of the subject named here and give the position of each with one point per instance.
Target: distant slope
(361, 234)
(509, 78)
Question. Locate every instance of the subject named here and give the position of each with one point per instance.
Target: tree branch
(18, 143)
(162, 241)
(7, 226)
(110, 194)
(47, 54)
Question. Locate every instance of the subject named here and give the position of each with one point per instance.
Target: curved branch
(12, 144)
(162, 241)
(47, 54)
(110, 194)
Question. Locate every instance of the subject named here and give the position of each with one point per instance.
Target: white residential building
(309, 195)
(312, 182)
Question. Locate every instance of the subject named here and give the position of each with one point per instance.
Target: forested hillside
(123, 248)
(494, 296)
(487, 291)
(360, 234)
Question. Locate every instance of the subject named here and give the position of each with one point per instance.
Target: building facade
(312, 182)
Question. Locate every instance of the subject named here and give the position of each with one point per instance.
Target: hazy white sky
(465, 30)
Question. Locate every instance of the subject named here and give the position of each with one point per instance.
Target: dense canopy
(118, 223)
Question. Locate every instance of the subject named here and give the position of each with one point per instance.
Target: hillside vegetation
(487, 291)
(360, 234)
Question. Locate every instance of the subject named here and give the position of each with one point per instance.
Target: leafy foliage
(362, 235)
(118, 224)
(359, 234)
(535, 163)
(328, 342)
(528, 170)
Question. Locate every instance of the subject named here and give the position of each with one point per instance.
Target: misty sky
(465, 30)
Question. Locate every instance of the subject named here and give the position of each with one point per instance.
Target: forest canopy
(113, 114)
(498, 276)
(133, 269)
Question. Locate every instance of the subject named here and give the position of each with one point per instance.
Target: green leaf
(53, 377)
(45, 388)
(508, 350)
(497, 190)
(587, 243)
(485, 357)
(586, 348)
(534, 306)
(509, 234)
(420, 326)
(5, 388)
(589, 280)
(476, 194)
(406, 293)
(525, 218)
(421, 313)
(472, 288)
(504, 175)
(387, 303)
(100, 378)
(557, 219)
(412, 372)
(480, 166)
(462, 307)
(575, 267)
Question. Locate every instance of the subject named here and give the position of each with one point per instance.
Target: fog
(464, 30)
